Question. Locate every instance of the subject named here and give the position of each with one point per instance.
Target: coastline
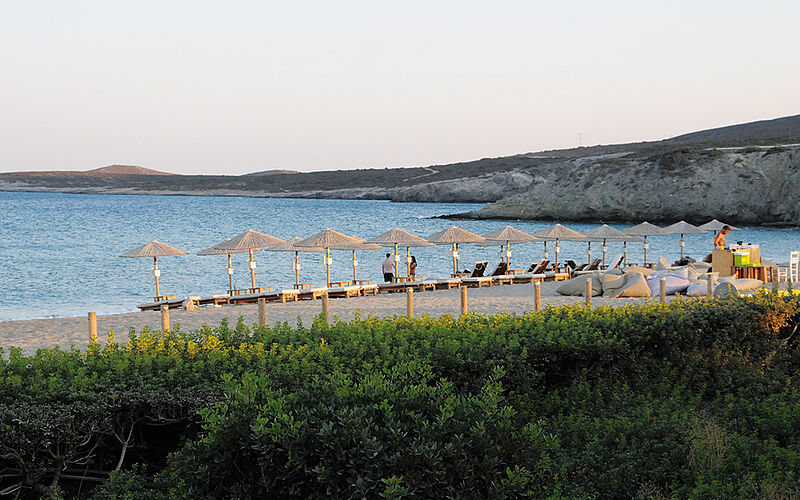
(73, 331)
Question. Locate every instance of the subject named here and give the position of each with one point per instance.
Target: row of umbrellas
(251, 241)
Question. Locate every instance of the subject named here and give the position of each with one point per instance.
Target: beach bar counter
(740, 261)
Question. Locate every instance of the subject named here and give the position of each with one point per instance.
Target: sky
(202, 87)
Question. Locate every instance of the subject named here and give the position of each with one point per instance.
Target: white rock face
(755, 187)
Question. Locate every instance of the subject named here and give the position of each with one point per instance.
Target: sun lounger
(156, 305)
(214, 300)
(311, 293)
(343, 291)
(447, 283)
(282, 295)
(554, 276)
(614, 264)
(392, 287)
(477, 282)
(248, 298)
(421, 286)
(501, 269)
(538, 268)
(477, 271)
(369, 289)
(503, 279)
(528, 278)
(594, 266)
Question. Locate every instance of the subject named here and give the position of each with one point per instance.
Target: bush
(687, 399)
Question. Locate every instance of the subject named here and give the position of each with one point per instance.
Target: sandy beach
(65, 332)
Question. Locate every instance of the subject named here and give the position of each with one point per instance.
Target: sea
(59, 253)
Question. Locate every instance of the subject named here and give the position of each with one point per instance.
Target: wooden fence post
(164, 318)
(662, 294)
(588, 291)
(463, 300)
(262, 311)
(93, 327)
(326, 310)
(410, 302)
(537, 296)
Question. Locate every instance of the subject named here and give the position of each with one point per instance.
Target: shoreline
(65, 332)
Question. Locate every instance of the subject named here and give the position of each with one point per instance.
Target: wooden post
(463, 300)
(588, 291)
(326, 311)
(537, 296)
(262, 311)
(710, 284)
(164, 318)
(662, 295)
(410, 302)
(93, 327)
(156, 272)
(252, 270)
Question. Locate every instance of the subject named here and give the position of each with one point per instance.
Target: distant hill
(125, 170)
(109, 171)
(271, 172)
(779, 130)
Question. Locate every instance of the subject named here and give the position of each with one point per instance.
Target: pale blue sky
(236, 86)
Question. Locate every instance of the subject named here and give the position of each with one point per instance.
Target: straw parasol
(154, 249)
(248, 241)
(229, 268)
(715, 225)
(606, 233)
(395, 237)
(291, 246)
(509, 235)
(644, 230)
(328, 239)
(454, 236)
(556, 233)
(682, 228)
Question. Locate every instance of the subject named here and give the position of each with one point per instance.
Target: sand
(65, 332)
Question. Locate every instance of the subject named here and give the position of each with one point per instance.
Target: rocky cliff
(749, 186)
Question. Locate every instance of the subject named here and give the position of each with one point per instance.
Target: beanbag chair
(577, 286)
(640, 270)
(701, 266)
(697, 289)
(677, 282)
(662, 264)
(635, 286)
(746, 283)
(612, 283)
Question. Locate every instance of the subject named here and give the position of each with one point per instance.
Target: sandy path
(63, 332)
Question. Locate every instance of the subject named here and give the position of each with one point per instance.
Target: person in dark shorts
(388, 268)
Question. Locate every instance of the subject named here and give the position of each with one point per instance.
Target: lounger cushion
(742, 283)
(635, 286)
(677, 281)
(640, 270)
(577, 287)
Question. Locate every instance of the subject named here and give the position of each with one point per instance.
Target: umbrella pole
(624, 253)
(396, 259)
(355, 279)
(644, 247)
(604, 254)
(252, 270)
(230, 274)
(508, 256)
(545, 249)
(408, 261)
(555, 268)
(589, 252)
(328, 264)
(682, 243)
(155, 274)
(297, 269)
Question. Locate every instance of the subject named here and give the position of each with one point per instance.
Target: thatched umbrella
(509, 235)
(229, 268)
(607, 233)
(556, 233)
(454, 236)
(328, 239)
(644, 230)
(682, 228)
(715, 225)
(154, 249)
(397, 237)
(248, 241)
(291, 246)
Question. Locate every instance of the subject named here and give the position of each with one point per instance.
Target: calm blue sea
(59, 253)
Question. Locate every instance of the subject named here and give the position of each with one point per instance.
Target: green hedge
(694, 399)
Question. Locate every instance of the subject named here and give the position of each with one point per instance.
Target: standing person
(388, 268)
(719, 239)
(412, 268)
